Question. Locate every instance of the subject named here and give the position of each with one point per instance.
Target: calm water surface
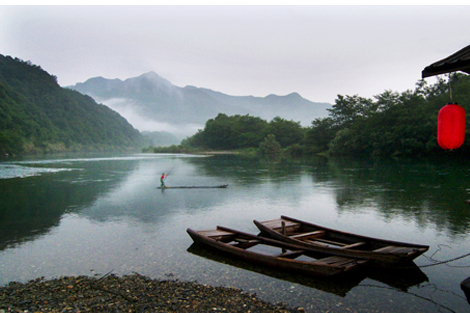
(90, 215)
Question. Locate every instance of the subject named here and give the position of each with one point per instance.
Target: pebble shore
(132, 293)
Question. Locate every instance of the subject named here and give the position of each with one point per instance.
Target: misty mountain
(150, 102)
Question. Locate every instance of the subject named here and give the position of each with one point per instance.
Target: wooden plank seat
(215, 232)
(218, 235)
(287, 226)
(353, 245)
(330, 242)
(313, 234)
(277, 223)
(338, 261)
(240, 242)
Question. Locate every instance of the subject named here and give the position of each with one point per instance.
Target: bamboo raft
(191, 187)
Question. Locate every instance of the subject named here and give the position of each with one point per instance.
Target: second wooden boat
(330, 241)
(273, 253)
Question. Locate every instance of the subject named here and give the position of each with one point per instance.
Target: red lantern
(451, 126)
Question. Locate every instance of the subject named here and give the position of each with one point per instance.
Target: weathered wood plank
(331, 242)
(313, 234)
(354, 245)
(395, 249)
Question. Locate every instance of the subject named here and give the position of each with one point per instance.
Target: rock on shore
(133, 293)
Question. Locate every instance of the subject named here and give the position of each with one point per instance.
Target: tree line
(242, 132)
(390, 123)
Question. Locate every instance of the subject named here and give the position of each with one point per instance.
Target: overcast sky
(317, 51)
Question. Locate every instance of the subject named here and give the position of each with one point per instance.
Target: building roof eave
(459, 61)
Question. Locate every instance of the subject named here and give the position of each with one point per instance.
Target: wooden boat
(271, 252)
(190, 187)
(399, 278)
(330, 241)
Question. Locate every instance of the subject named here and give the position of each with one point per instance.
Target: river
(92, 214)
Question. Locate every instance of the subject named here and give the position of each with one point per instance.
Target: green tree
(287, 133)
(231, 132)
(319, 135)
(347, 110)
(269, 146)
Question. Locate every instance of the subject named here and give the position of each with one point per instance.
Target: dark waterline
(89, 215)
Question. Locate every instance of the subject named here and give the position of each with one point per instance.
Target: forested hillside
(37, 115)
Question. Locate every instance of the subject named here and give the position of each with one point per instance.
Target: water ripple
(8, 171)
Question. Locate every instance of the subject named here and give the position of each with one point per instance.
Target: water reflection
(251, 170)
(428, 192)
(32, 205)
(403, 278)
(137, 196)
(35, 194)
(105, 213)
(336, 286)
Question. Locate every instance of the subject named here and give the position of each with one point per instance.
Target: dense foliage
(37, 115)
(391, 123)
(244, 132)
(269, 146)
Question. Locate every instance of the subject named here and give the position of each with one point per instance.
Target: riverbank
(133, 293)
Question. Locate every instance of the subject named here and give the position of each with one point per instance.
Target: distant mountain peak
(153, 76)
(150, 74)
(293, 95)
(150, 82)
(156, 99)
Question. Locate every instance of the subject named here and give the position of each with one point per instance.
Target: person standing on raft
(162, 180)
